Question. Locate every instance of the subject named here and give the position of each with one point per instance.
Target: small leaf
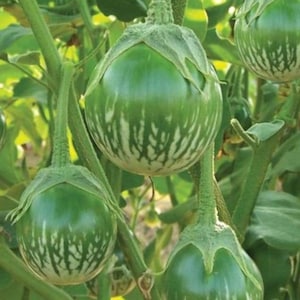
(196, 18)
(130, 180)
(275, 267)
(23, 116)
(276, 220)
(9, 287)
(180, 212)
(76, 290)
(9, 173)
(286, 158)
(31, 58)
(217, 13)
(219, 48)
(9, 72)
(11, 34)
(5, 279)
(10, 231)
(10, 198)
(266, 130)
(29, 88)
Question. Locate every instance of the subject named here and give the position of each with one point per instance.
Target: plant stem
(61, 155)
(133, 255)
(178, 7)
(261, 158)
(43, 36)
(87, 20)
(104, 285)
(237, 85)
(243, 134)
(13, 265)
(171, 191)
(259, 99)
(207, 211)
(223, 212)
(160, 12)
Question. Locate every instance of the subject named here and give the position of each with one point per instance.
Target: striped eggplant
(209, 264)
(68, 232)
(66, 217)
(154, 103)
(267, 36)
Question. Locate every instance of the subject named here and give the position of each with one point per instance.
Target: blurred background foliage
(158, 208)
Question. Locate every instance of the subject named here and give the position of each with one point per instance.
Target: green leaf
(152, 252)
(31, 58)
(276, 220)
(24, 118)
(134, 295)
(9, 173)
(180, 212)
(9, 287)
(29, 88)
(195, 17)
(286, 158)
(76, 291)
(12, 33)
(130, 180)
(219, 48)
(266, 130)
(10, 198)
(275, 267)
(10, 232)
(182, 190)
(5, 279)
(217, 13)
(232, 178)
(9, 72)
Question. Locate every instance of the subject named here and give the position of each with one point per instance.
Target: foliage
(257, 166)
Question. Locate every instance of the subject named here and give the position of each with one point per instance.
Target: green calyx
(47, 178)
(210, 241)
(177, 44)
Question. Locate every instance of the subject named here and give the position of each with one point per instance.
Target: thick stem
(129, 246)
(134, 257)
(207, 211)
(82, 142)
(261, 158)
(42, 34)
(237, 85)
(171, 191)
(61, 155)
(223, 212)
(259, 99)
(13, 265)
(160, 12)
(104, 285)
(178, 7)
(87, 20)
